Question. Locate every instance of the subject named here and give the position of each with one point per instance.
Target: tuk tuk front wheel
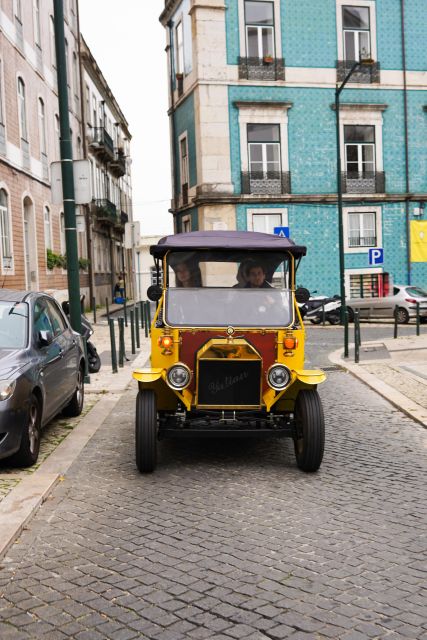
(309, 438)
(146, 431)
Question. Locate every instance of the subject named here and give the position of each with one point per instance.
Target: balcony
(365, 74)
(268, 184)
(101, 144)
(105, 211)
(363, 182)
(261, 68)
(122, 218)
(118, 165)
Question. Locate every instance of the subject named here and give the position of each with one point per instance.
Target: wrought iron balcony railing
(266, 183)
(118, 164)
(261, 68)
(365, 74)
(105, 210)
(102, 143)
(362, 241)
(363, 182)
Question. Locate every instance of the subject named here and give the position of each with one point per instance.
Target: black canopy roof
(240, 240)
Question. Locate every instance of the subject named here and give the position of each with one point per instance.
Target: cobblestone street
(228, 539)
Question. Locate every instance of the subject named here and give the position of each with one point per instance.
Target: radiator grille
(225, 383)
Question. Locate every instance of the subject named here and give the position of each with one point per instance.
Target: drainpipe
(172, 120)
(89, 241)
(405, 120)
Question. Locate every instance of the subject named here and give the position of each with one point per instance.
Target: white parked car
(405, 297)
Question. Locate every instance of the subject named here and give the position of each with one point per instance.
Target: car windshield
(13, 325)
(222, 288)
(416, 292)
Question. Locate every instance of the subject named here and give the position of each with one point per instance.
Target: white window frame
(277, 39)
(282, 212)
(184, 170)
(41, 114)
(52, 41)
(17, 10)
(179, 50)
(360, 146)
(7, 212)
(62, 241)
(57, 134)
(261, 114)
(22, 109)
(2, 104)
(259, 29)
(358, 272)
(370, 4)
(378, 224)
(37, 24)
(371, 115)
(264, 161)
(47, 227)
(186, 220)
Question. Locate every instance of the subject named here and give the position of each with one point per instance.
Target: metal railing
(106, 210)
(267, 68)
(102, 141)
(365, 74)
(266, 183)
(363, 182)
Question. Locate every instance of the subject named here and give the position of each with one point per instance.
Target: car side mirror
(302, 295)
(154, 292)
(45, 338)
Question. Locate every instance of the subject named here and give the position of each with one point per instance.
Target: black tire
(309, 440)
(315, 320)
(333, 318)
(94, 363)
(146, 431)
(402, 316)
(28, 452)
(350, 314)
(75, 406)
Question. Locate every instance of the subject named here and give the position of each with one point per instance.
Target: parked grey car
(404, 297)
(41, 371)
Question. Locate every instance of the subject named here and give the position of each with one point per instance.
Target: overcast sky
(128, 43)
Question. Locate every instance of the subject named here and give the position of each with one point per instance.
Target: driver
(256, 277)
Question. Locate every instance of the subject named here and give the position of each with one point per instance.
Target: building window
(42, 127)
(52, 42)
(259, 23)
(36, 19)
(47, 228)
(22, 109)
(75, 77)
(18, 10)
(1, 93)
(183, 163)
(6, 247)
(62, 232)
(179, 35)
(265, 220)
(153, 276)
(264, 150)
(186, 224)
(67, 58)
(362, 229)
(57, 136)
(359, 143)
(356, 32)
(366, 284)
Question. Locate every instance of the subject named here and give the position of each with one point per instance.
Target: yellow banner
(418, 240)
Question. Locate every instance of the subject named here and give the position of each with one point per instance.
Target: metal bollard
(418, 318)
(94, 310)
(396, 308)
(356, 336)
(323, 313)
(141, 309)
(107, 307)
(146, 319)
(132, 331)
(138, 341)
(149, 315)
(113, 346)
(121, 342)
(125, 312)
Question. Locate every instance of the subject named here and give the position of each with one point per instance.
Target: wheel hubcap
(79, 387)
(33, 432)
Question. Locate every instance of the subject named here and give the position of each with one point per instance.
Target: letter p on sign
(376, 256)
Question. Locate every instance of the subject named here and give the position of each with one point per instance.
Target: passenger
(242, 274)
(188, 275)
(257, 277)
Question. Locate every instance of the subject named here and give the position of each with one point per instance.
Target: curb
(397, 399)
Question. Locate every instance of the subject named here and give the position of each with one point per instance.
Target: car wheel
(309, 438)
(75, 406)
(146, 431)
(28, 452)
(402, 316)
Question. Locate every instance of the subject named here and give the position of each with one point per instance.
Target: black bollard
(125, 312)
(141, 309)
(356, 336)
(107, 307)
(113, 346)
(94, 310)
(418, 318)
(138, 341)
(121, 342)
(396, 310)
(323, 313)
(132, 331)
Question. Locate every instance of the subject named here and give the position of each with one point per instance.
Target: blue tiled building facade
(253, 123)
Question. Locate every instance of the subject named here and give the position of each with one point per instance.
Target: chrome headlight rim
(275, 367)
(170, 371)
(7, 388)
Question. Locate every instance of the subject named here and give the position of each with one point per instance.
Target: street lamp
(364, 61)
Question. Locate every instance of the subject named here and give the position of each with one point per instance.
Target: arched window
(47, 228)
(52, 42)
(42, 127)
(75, 77)
(36, 18)
(6, 247)
(57, 136)
(22, 109)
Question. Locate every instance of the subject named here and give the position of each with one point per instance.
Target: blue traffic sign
(283, 232)
(376, 256)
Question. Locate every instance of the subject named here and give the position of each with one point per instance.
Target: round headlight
(178, 376)
(7, 387)
(278, 377)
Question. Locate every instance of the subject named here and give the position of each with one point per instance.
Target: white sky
(128, 42)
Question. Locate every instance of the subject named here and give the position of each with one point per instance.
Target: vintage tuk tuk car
(227, 346)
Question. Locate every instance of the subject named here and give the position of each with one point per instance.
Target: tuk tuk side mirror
(45, 338)
(302, 295)
(154, 292)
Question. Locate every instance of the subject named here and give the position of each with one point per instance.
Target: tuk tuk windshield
(221, 288)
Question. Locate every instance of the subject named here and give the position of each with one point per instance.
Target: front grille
(225, 383)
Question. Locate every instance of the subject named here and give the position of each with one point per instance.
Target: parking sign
(376, 256)
(282, 232)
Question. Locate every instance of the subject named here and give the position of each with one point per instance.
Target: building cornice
(360, 106)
